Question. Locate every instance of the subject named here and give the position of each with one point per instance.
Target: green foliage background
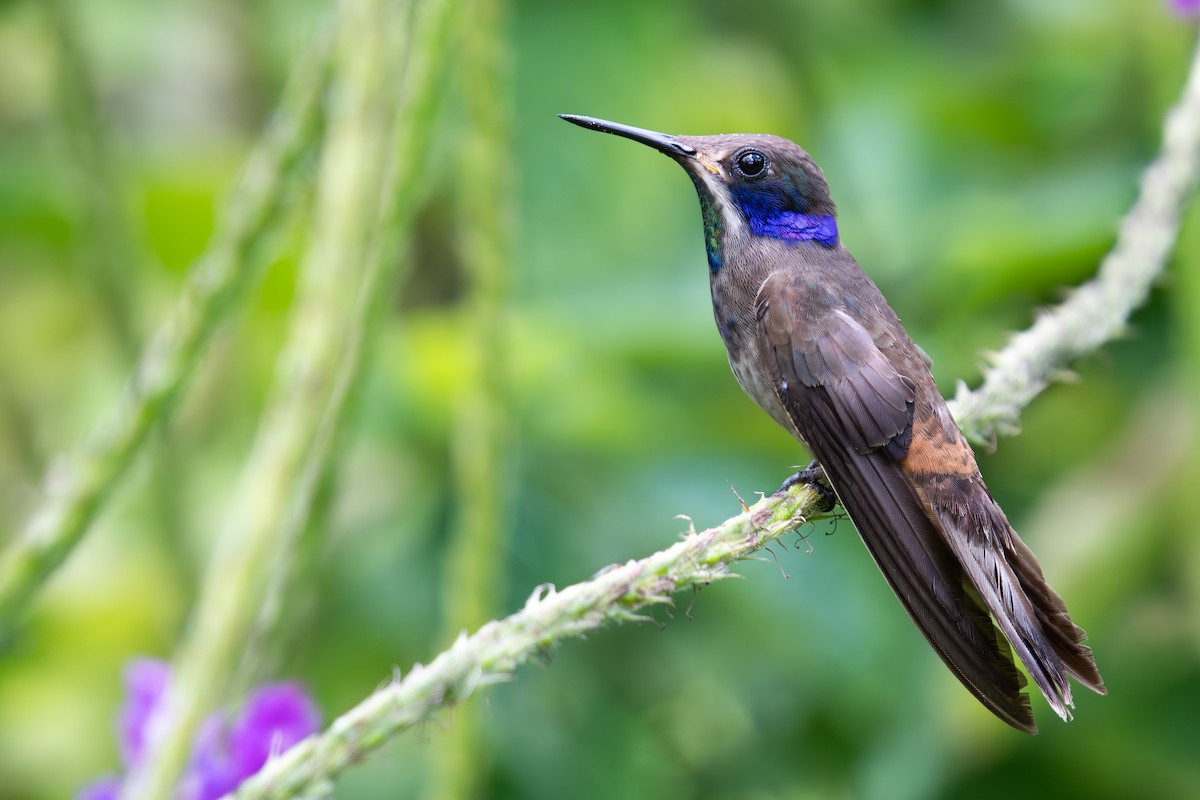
(981, 155)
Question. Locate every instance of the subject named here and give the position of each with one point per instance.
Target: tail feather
(1065, 636)
(1007, 577)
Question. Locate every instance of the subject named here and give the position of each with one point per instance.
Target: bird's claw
(814, 476)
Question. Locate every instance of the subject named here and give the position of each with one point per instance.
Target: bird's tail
(1065, 637)
(1005, 574)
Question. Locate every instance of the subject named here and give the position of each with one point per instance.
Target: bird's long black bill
(663, 142)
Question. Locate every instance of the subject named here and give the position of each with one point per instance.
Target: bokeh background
(981, 156)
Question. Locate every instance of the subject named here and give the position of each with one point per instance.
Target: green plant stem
(111, 254)
(216, 287)
(1098, 311)
(108, 246)
(366, 199)
(403, 188)
(314, 371)
(481, 443)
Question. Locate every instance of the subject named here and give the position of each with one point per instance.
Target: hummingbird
(813, 342)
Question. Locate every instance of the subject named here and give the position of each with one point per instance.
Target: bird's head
(762, 185)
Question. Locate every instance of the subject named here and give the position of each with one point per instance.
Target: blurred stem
(1184, 506)
(216, 287)
(1096, 312)
(111, 258)
(617, 593)
(424, 63)
(374, 147)
(284, 610)
(313, 374)
(111, 255)
(472, 582)
(18, 425)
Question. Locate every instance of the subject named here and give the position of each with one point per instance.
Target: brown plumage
(812, 340)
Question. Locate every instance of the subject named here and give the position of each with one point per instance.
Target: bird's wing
(855, 413)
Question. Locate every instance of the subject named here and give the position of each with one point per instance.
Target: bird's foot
(814, 475)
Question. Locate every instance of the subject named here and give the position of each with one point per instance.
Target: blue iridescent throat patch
(821, 228)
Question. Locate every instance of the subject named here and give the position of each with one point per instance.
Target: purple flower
(145, 682)
(226, 751)
(275, 717)
(107, 788)
(1186, 8)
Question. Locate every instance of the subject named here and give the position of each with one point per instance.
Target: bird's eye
(751, 163)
